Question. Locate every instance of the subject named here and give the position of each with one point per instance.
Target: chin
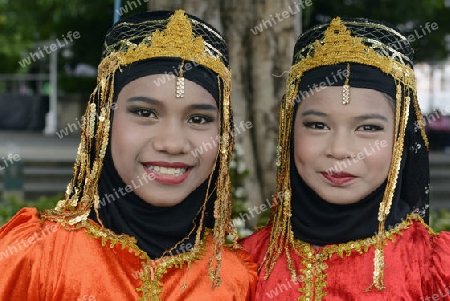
(339, 201)
(345, 202)
(163, 204)
(159, 202)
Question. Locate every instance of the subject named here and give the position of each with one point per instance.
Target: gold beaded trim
(177, 40)
(381, 47)
(313, 274)
(346, 88)
(152, 270)
(180, 82)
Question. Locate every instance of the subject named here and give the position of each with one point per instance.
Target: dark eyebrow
(314, 113)
(148, 100)
(359, 118)
(206, 107)
(153, 101)
(372, 116)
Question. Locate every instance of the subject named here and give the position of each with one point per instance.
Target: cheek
(123, 136)
(209, 142)
(117, 136)
(380, 160)
(306, 146)
(304, 151)
(210, 158)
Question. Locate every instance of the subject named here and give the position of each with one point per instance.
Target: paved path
(38, 147)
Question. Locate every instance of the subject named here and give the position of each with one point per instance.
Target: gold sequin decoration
(177, 40)
(313, 275)
(180, 87)
(153, 270)
(346, 88)
(180, 82)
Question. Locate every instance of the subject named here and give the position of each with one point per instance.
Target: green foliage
(408, 16)
(24, 23)
(11, 206)
(440, 220)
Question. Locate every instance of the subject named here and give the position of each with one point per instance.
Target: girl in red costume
(353, 174)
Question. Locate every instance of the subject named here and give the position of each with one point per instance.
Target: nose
(171, 139)
(340, 146)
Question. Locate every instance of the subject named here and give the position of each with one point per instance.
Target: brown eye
(144, 113)
(316, 125)
(200, 119)
(370, 128)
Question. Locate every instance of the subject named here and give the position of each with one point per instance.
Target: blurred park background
(50, 50)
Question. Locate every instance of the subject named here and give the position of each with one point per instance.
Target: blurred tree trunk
(206, 10)
(255, 57)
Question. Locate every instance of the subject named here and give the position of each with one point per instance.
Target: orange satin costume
(417, 266)
(63, 265)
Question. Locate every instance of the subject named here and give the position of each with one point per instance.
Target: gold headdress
(174, 35)
(340, 42)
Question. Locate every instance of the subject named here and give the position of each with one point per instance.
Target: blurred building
(433, 88)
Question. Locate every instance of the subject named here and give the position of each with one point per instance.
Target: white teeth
(167, 170)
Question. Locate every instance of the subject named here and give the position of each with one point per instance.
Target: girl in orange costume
(146, 214)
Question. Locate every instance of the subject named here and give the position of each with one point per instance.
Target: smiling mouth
(164, 170)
